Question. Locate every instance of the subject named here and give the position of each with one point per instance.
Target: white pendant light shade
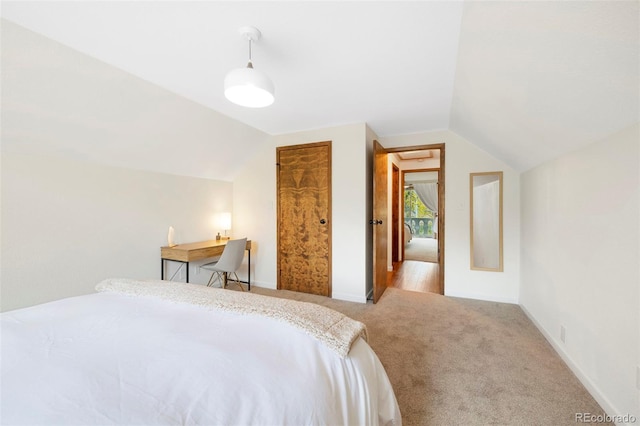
(249, 87)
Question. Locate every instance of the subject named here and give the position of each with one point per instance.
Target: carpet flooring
(455, 361)
(422, 249)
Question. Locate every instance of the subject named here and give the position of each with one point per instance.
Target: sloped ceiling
(537, 79)
(525, 81)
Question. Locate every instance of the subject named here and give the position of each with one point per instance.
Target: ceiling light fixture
(249, 87)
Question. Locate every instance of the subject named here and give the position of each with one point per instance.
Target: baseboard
(269, 286)
(349, 297)
(339, 296)
(465, 295)
(591, 387)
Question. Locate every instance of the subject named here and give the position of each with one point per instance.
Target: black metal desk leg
(249, 271)
(187, 272)
(162, 269)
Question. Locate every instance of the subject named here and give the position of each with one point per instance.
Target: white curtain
(428, 194)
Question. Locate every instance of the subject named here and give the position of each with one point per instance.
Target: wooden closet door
(304, 218)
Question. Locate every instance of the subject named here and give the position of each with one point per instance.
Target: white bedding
(107, 358)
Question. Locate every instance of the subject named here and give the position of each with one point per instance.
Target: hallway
(415, 276)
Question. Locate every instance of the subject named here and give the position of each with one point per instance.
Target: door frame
(395, 218)
(441, 202)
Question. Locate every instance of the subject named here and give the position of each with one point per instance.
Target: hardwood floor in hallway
(415, 276)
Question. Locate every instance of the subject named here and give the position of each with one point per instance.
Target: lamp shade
(224, 220)
(249, 87)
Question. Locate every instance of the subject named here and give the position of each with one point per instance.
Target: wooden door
(379, 221)
(304, 218)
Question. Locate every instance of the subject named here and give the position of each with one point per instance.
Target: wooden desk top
(196, 251)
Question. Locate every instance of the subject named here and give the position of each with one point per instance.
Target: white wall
(67, 224)
(462, 158)
(74, 130)
(255, 207)
(580, 256)
(57, 101)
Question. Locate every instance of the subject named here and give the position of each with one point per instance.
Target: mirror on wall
(486, 221)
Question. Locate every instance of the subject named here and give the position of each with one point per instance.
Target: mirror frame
(473, 263)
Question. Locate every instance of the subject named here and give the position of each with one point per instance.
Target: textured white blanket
(332, 328)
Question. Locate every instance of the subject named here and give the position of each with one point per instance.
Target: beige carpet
(422, 249)
(465, 362)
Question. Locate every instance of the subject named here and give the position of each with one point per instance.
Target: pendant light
(249, 87)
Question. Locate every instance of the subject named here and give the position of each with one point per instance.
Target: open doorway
(417, 212)
(420, 215)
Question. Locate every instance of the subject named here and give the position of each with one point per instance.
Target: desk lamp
(225, 224)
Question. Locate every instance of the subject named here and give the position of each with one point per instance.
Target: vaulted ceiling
(525, 81)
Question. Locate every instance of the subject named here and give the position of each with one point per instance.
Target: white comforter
(111, 359)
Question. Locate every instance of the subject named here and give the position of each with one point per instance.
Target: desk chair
(228, 264)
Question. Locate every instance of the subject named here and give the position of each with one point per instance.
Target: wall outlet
(563, 334)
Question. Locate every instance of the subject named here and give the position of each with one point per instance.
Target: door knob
(322, 221)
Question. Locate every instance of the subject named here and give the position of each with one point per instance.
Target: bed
(407, 234)
(157, 352)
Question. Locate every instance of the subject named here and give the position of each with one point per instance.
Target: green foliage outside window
(413, 207)
(417, 215)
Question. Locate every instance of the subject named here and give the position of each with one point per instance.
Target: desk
(189, 252)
